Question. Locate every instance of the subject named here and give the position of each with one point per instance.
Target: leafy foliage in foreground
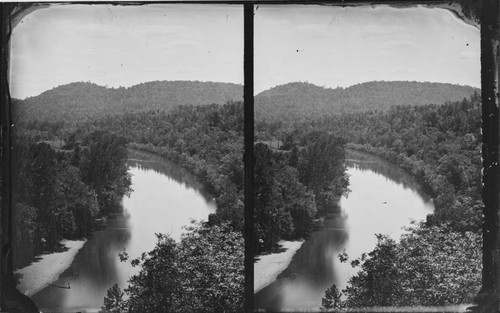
(332, 298)
(113, 301)
(203, 273)
(429, 266)
(437, 262)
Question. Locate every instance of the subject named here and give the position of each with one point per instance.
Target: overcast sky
(328, 46)
(336, 46)
(123, 46)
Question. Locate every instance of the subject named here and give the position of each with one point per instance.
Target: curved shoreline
(268, 267)
(39, 274)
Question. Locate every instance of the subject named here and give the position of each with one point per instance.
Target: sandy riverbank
(269, 266)
(38, 274)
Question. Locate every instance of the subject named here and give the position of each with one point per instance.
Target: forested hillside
(437, 262)
(304, 101)
(63, 186)
(80, 101)
(438, 144)
(204, 272)
(431, 130)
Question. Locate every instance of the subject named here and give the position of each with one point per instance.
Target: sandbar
(38, 274)
(269, 266)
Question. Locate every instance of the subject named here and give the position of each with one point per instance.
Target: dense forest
(294, 187)
(440, 145)
(438, 261)
(72, 171)
(59, 193)
(83, 167)
(76, 102)
(205, 139)
(294, 102)
(203, 273)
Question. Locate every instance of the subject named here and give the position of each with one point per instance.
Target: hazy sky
(328, 46)
(336, 46)
(124, 46)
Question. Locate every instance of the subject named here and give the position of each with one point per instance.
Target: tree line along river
(383, 199)
(165, 197)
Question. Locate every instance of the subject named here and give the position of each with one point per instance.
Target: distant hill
(81, 101)
(305, 100)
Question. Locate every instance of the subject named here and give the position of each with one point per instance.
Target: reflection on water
(165, 198)
(94, 269)
(149, 161)
(369, 162)
(311, 271)
(383, 199)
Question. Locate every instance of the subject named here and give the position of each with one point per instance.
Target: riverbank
(406, 164)
(38, 274)
(269, 266)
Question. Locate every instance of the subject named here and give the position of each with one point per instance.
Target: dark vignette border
(486, 11)
(248, 107)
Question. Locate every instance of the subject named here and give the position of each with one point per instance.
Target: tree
(203, 273)
(43, 178)
(113, 301)
(297, 200)
(212, 269)
(431, 265)
(103, 167)
(24, 228)
(156, 288)
(332, 298)
(271, 219)
(378, 281)
(53, 201)
(78, 200)
(321, 168)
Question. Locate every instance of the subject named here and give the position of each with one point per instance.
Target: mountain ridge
(79, 101)
(306, 100)
(84, 100)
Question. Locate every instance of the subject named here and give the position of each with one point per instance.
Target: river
(165, 198)
(383, 199)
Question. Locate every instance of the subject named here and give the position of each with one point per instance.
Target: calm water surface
(383, 199)
(165, 198)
